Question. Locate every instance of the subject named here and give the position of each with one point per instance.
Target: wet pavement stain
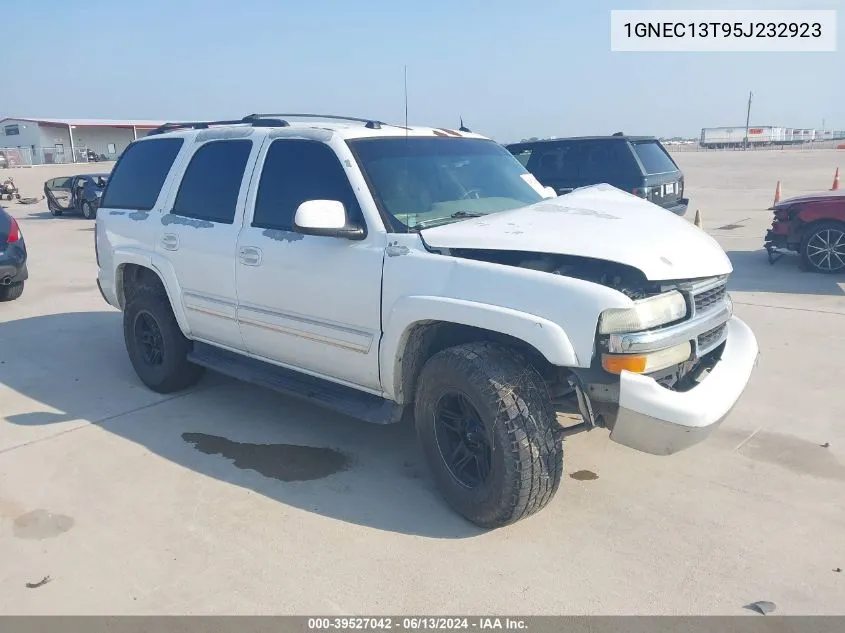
(285, 462)
(795, 454)
(41, 524)
(584, 475)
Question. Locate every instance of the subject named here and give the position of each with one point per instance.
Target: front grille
(711, 337)
(709, 298)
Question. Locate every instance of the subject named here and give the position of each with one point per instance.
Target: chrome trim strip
(697, 287)
(361, 349)
(210, 312)
(654, 340)
(286, 323)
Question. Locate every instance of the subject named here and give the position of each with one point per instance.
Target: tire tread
(522, 405)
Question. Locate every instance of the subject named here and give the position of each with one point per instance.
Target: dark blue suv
(637, 164)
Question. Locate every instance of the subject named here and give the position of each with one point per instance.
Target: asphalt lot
(136, 503)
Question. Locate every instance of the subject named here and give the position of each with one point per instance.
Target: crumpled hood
(601, 222)
(832, 196)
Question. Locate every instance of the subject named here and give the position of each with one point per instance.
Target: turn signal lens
(646, 363)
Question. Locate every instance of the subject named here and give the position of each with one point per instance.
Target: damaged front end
(674, 334)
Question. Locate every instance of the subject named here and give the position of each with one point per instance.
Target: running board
(329, 395)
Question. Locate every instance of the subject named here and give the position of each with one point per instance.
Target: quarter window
(137, 178)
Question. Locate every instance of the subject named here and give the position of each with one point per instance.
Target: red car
(812, 225)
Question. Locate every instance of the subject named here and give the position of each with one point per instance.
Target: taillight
(14, 231)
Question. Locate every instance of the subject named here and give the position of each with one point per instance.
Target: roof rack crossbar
(372, 124)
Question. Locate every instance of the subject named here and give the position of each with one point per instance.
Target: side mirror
(326, 218)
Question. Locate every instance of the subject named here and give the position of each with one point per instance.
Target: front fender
(546, 337)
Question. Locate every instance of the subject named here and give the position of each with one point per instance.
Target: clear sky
(513, 69)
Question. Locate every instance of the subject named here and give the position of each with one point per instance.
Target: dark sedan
(75, 194)
(13, 272)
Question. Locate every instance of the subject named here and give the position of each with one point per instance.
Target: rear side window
(212, 181)
(555, 161)
(654, 158)
(606, 161)
(295, 171)
(139, 175)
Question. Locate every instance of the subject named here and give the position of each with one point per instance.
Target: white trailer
(733, 137)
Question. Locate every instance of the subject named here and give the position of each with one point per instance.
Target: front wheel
(486, 425)
(823, 247)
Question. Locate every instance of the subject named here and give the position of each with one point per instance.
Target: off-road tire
(812, 236)
(87, 212)
(513, 404)
(11, 292)
(175, 372)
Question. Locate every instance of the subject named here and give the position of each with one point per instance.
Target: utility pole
(748, 119)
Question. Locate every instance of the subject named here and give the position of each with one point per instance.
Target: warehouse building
(31, 141)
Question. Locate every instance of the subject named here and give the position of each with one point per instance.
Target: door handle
(250, 256)
(170, 241)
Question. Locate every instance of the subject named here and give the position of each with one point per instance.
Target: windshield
(423, 182)
(654, 158)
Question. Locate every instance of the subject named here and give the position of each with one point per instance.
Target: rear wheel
(823, 247)
(87, 211)
(11, 292)
(489, 433)
(156, 346)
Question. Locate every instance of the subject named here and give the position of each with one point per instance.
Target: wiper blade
(458, 215)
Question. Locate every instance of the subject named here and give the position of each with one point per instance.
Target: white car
(369, 268)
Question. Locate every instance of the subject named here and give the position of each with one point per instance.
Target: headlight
(646, 314)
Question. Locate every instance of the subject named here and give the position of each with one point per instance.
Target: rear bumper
(660, 421)
(12, 269)
(680, 208)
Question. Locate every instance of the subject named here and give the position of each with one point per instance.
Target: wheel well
(806, 227)
(428, 338)
(132, 276)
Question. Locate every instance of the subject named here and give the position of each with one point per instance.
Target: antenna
(406, 174)
(406, 99)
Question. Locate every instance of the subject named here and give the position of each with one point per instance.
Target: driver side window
(296, 170)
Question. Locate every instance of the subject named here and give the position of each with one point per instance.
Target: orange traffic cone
(777, 193)
(835, 180)
(697, 221)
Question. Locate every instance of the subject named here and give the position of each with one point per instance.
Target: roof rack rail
(372, 124)
(202, 125)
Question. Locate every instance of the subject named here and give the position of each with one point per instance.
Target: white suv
(369, 267)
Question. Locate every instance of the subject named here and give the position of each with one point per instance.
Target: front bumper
(657, 420)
